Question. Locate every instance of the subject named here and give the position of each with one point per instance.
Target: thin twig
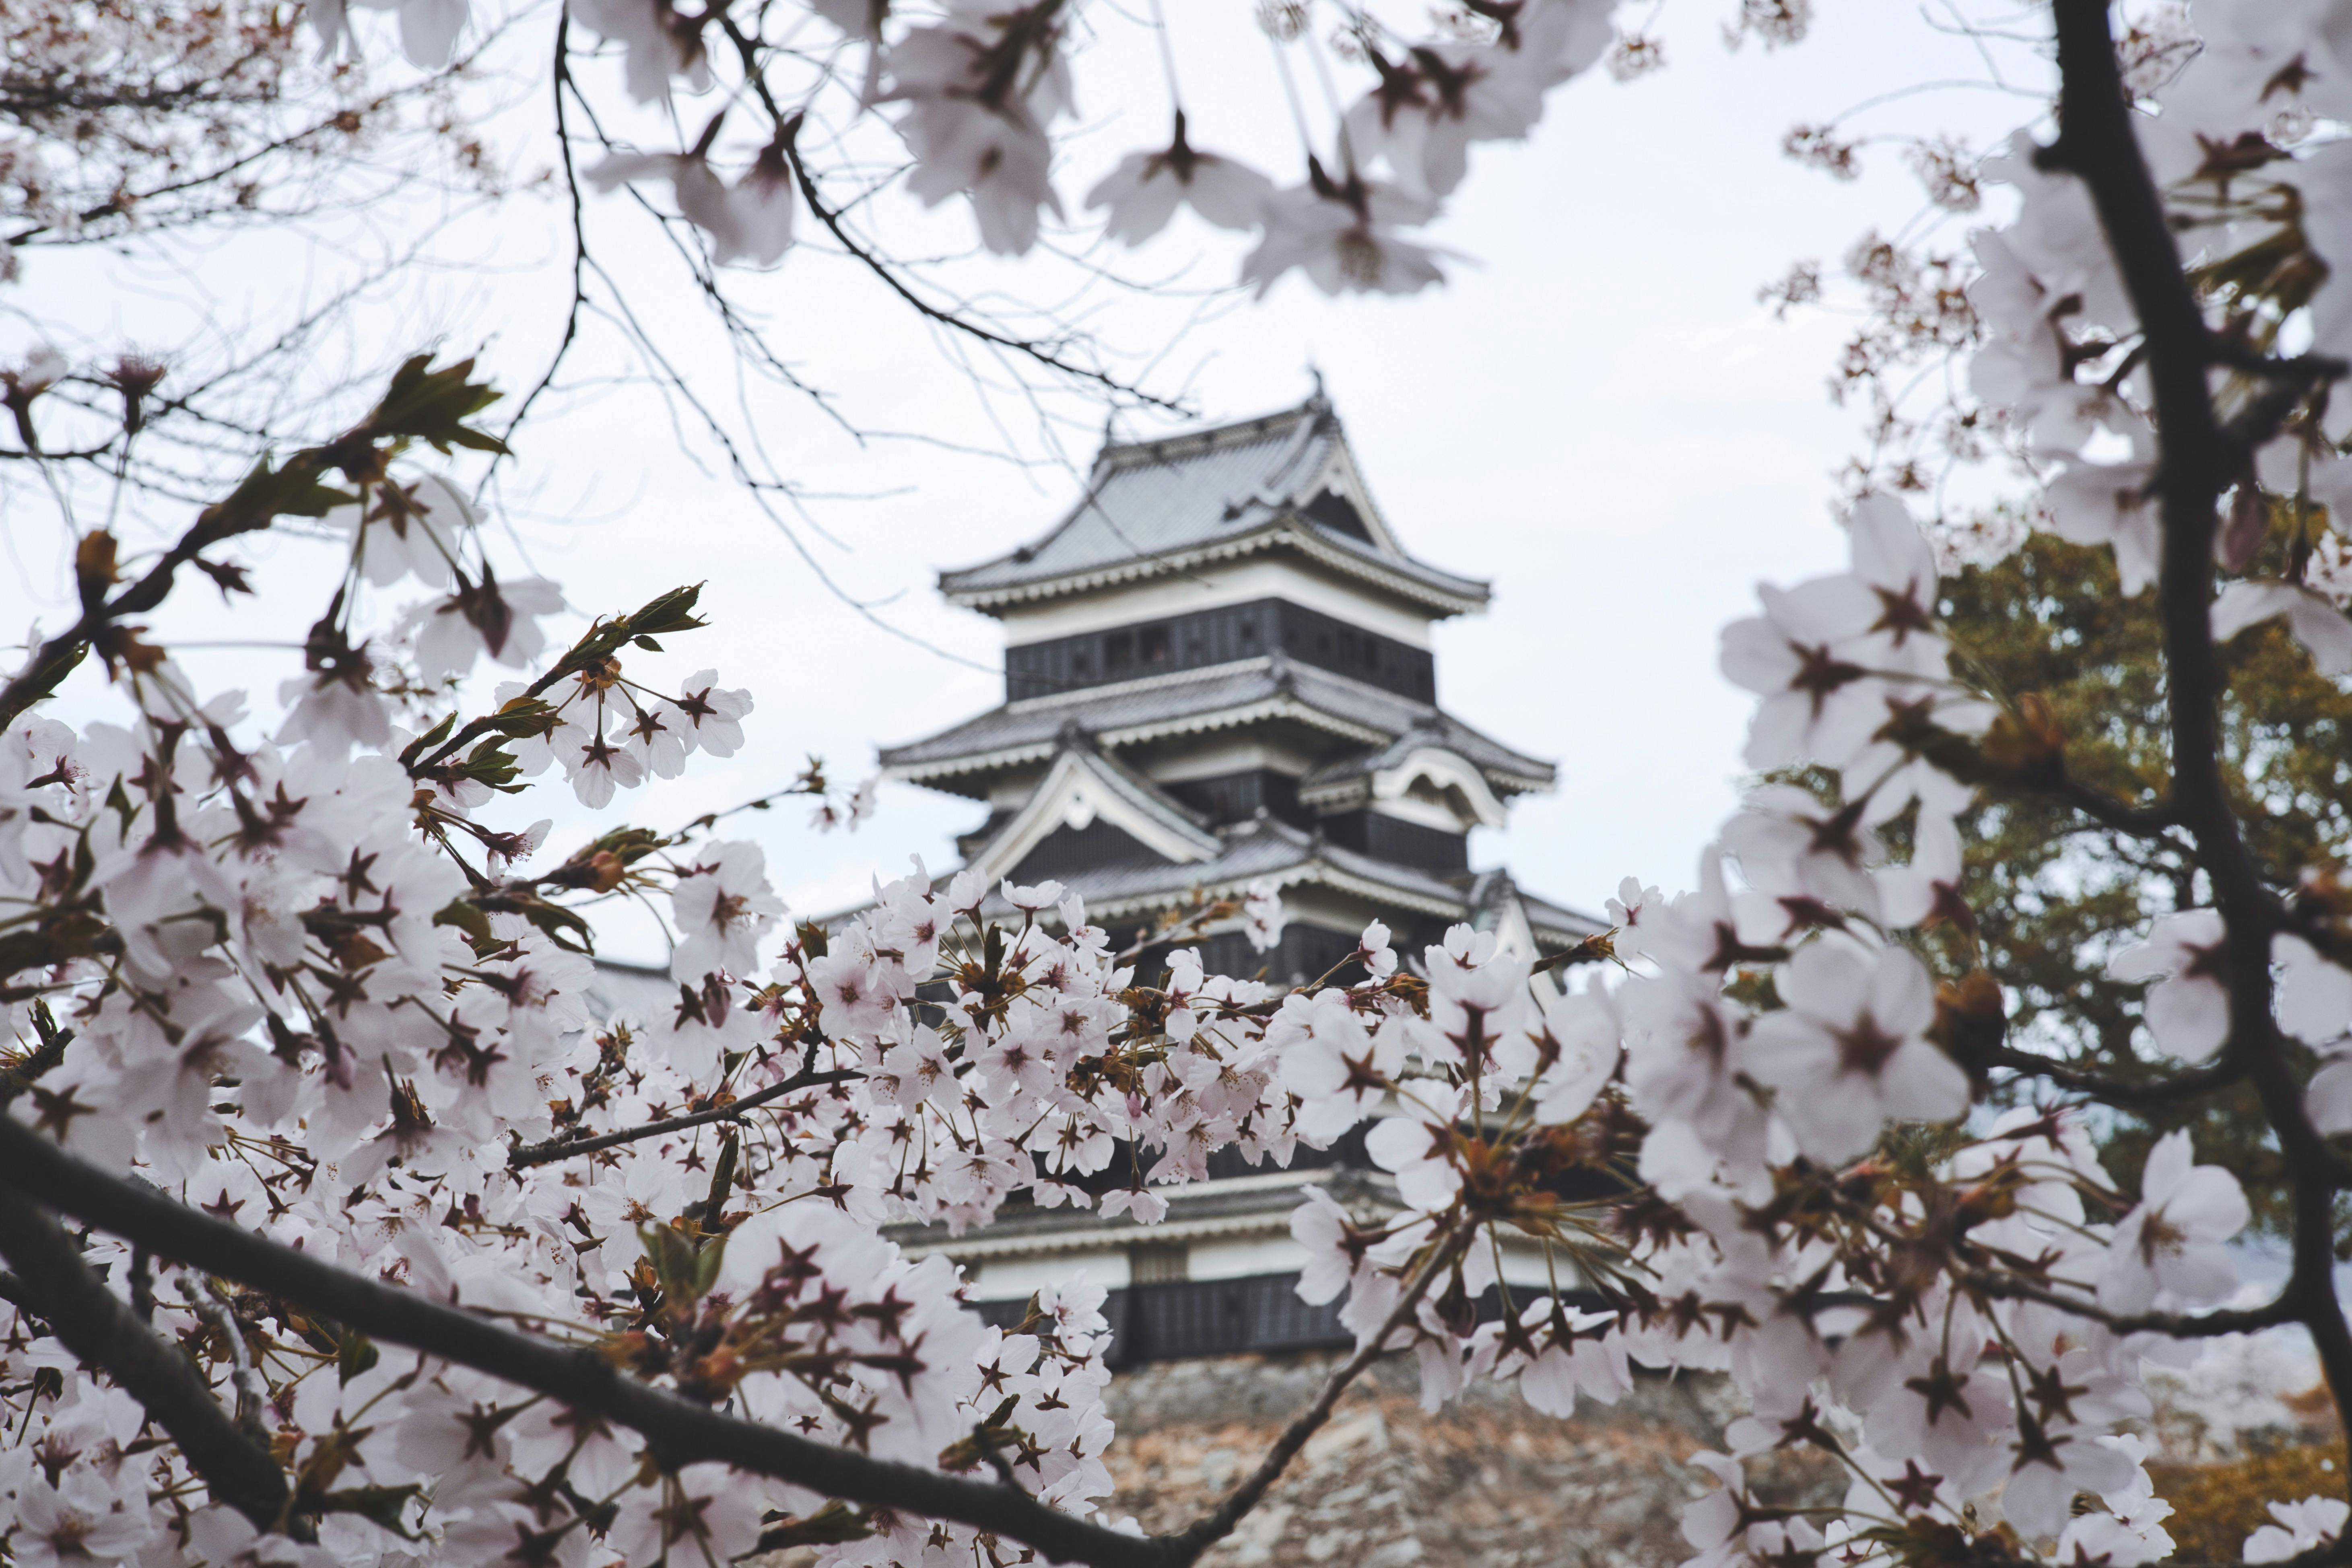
(564, 1148)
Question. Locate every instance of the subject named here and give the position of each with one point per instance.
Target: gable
(1098, 813)
(1069, 849)
(1335, 512)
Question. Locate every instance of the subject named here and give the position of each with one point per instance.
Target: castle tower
(1218, 671)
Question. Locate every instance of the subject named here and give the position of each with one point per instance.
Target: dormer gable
(1094, 809)
(1439, 787)
(1417, 778)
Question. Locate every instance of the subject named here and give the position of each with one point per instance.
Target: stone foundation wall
(1487, 1482)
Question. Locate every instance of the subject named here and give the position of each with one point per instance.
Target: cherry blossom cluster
(316, 977)
(978, 95)
(2243, 152)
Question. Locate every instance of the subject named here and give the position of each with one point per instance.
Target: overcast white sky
(1597, 414)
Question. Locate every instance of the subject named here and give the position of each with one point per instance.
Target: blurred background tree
(2049, 887)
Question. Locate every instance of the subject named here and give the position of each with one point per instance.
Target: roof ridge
(1234, 433)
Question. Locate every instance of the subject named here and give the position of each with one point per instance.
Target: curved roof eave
(1403, 578)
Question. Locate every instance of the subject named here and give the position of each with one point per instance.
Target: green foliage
(2050, 889)
(426, 405)
(266, 494)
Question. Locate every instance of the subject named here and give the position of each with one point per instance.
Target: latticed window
(1156, 1263)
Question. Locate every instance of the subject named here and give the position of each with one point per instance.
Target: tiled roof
(1265, 847)
(1219, 697)
(1558, 921)
(1358, 764)
(1154, 506)
(1490, 891)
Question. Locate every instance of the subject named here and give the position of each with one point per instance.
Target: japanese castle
(1218, 672)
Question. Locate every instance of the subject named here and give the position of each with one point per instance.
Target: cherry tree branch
(2097, 143)
(734, 1110)
(2282, 1308)
(52, 1281)
(2143, 822)
(677, 1432)
(59, 657)
(2117, 1091)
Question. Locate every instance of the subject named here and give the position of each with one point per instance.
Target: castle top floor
(1195, 539)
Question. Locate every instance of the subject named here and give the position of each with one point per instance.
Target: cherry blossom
(2315, 995)
(1848, 1053)
(2170, 1249)
(1143, 192)
(2187, 1008)
(980, 87)
(1261, 912)
(429, 28)
(722, 906)
(1819, 703)
(1345, 236)
(2317, 624)
(656, 42)
(486, 616)
(2302, 1526)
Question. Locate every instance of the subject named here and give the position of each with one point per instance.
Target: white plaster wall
(1197, 760)
(1016, 1278)
(1240, 1257)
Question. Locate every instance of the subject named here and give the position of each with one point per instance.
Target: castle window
(1156, 1263)
(1215, 636)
